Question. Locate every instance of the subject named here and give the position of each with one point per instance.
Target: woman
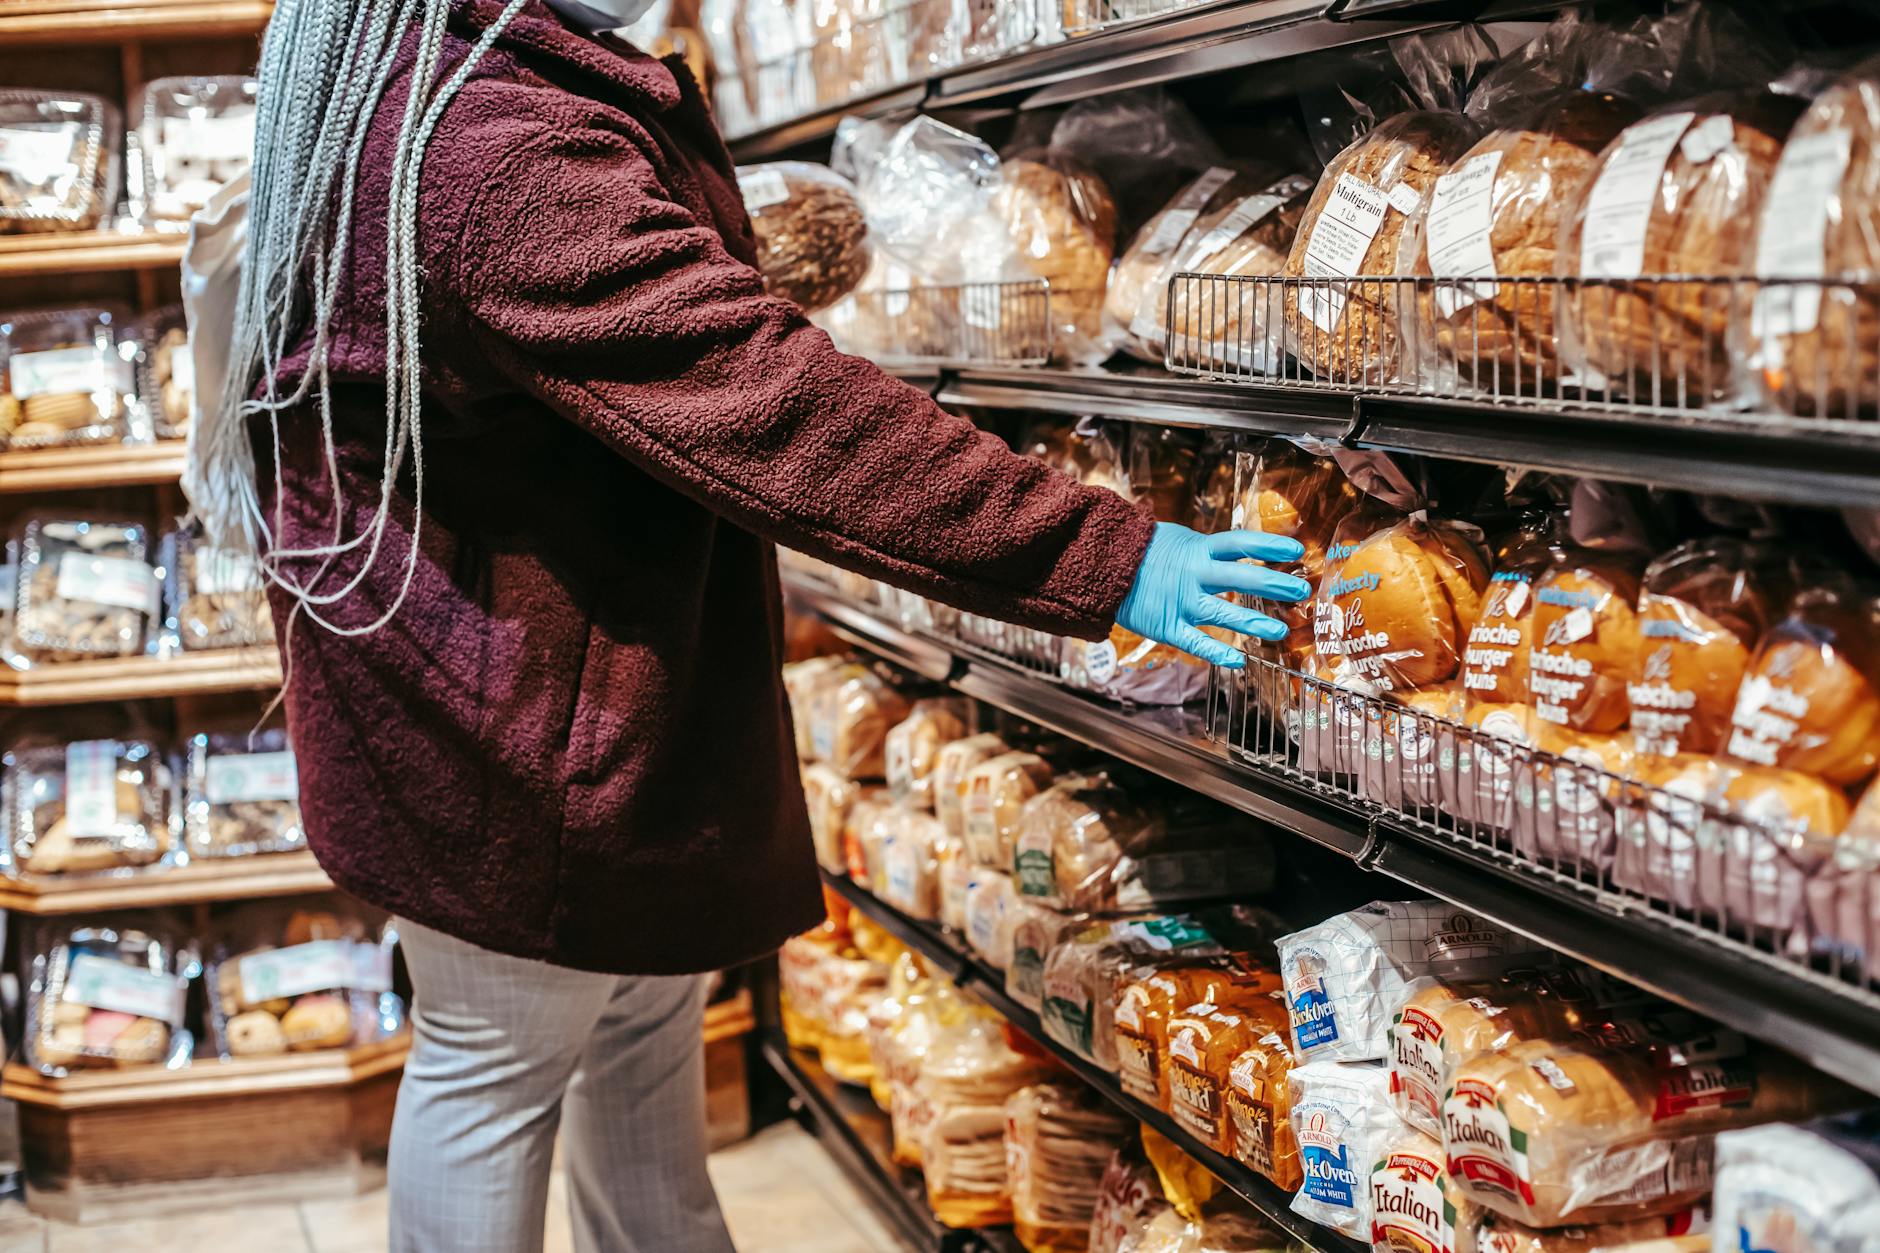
(532, 640)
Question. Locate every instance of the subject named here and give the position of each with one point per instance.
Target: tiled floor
(780, 1192)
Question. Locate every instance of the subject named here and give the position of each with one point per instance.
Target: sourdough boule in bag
(1218, 325)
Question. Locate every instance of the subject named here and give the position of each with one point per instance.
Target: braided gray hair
(325, 66)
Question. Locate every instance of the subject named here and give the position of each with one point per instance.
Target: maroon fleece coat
(570, 742)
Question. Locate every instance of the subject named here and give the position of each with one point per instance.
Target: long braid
(327, 61)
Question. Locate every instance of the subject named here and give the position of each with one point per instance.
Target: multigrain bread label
(1793, 239)
(1461, 219)
(1341, 236)
(1619, 206)
(1409, 1212)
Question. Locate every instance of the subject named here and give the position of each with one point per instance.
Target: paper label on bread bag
(233, 778)
(1244, 216)
(1100, 662)
(1482, 1148)
(901, 861)
(1409, 1209)
(123, 582)
(1326, 1154)
(39, 154)
(91, 806)
(1066, 1010)
(1793, 240)
(101, 983)
(762, 188)
(1416, 1068)
(1619, 206)
(1458, 233)
(1178, 217)
(1341, 236)
(1252, 1124)
(1033, 867)
(64, 371)
(1193, 1099)
(319, 966)
(1404, 199)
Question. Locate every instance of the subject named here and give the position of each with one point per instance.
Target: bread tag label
(1137, 1065)
(101, 983)
(1483, 1150)
(234, 778)
(1409, 1206)
(91, 804)
(1341, 236)
(1619, 206)
(1457, 232)
(1404, 199)
(1252, 1123)
(762, 189)
(121, 582)
(1024, 980)
(1181, 215)
(320, 966)
(1416, 1068)
(1793, 240)
(67, 371)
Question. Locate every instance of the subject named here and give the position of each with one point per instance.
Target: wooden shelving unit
(89, 252)
(142, 678)
(76, 22)
(99, 465)
(150, 1085)
(200, 882)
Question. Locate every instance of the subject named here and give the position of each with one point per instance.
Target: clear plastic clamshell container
(109, 995)
(88, 806)
(242, 795)
(166, 370)
(214, 598)
(59, 161)
(196, 135)
(290, 979)
(67, 379)
(86, 589)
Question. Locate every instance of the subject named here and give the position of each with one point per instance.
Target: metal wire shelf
(1727, 869)
(864, 48)
(1086, 17)
(1795, 351)
(988, 323)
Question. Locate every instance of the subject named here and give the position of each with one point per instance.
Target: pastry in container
(215, 598)
(299, 978)
(166, 370)
(241, 795)
(196, 135)
(68, 380)
(86, 590)
(88, 806)
(60, 160)
(109, 994)
(1059, 1138)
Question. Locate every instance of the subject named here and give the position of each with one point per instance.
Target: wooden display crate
(104, 1146)
(35, 22)
(90, 465)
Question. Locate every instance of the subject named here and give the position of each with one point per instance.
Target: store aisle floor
(780, 1192)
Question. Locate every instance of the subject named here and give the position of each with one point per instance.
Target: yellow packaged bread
(952, 764)
(1808, 700)
(1204, 1041)
(913, 747)
(1400, 606)
(1145, 1006)
(994, 795)
(1259, 1110)
(1557, 1131)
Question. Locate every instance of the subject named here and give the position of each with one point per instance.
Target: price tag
(208, 137)
(122, 582)
(320, 966)
(100, 983)
(91, 787)
(762, 189)
(229, 779)
(1460, 221)
(220, 572)
(1404, 199)
(61, 371)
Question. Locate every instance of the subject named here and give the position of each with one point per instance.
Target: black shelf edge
(1802, 462)
(1765, 999)
(781, 137)
(988, 985)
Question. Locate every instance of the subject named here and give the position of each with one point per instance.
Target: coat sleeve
(596, 292)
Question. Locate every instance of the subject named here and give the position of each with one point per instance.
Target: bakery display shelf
(86, 252)
(210, 1078)
(90, 465)
(856, 1133)
(988, 985)
(143, 678)
(1804, 462)
(215, 879)
(71, 22)
(728, 1019)
(765, 142)
(1832, 1024)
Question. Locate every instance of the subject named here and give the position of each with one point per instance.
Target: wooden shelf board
(72, 22)
(141, 678)
(728, 1019)
(86, 252)
(210, 1079)
(86, 466)
(231, 879)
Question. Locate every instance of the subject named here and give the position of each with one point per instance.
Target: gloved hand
(1174, 591)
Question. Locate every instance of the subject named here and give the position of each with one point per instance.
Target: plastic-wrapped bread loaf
(910, 878)
(801, 680)
(1204, 1042)
(966, 1078)
(1146, 1005)
(1549, 1132)
(1059, 1137)
(1674, 194)
(1808, 700)
(951, 766)
(1414, 1206)
(1584, 639)
(914, 745)
(1813, 1189)
(995, 793)
(1401, 606)
(1342, 1117)
(1061, 221)
(1144, 263)
(1352, 227)
(829, 796)
(1259, 1109)
(849, 720)
(812, 237)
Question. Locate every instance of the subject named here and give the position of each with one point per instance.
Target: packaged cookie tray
(109, 995)
(60, 163)
(1734, 348)
(212, 598)
(300, 980)
(242, 795)
(1749, 853)
(67, 379)
(90, 806)
(166, 370)
(196, 135)
(85, 589)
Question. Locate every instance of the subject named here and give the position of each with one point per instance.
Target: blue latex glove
(1174, 592)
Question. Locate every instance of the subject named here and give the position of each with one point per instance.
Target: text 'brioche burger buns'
(1668, 343)
(1815, 351)
(1495, 663)
(1584, 641)
(1402, 604)
(1702, 608)
(1503, 336)
(1353, 226)
(1808, 700)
